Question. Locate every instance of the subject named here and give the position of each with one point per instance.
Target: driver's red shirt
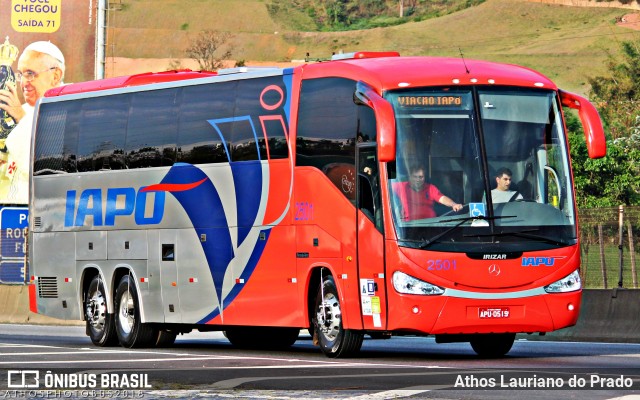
(417, 204)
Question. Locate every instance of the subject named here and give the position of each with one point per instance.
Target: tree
(618, 95)
(608, 181)
(208, 49)
(614, 179)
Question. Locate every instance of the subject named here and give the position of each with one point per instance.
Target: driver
(417, 196)
(502, 194)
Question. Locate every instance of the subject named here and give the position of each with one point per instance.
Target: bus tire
(263, 338)
(494, 345)
(100, 325)
(131, 332)
(333, 339)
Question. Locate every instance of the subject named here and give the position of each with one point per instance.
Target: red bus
(262, 202)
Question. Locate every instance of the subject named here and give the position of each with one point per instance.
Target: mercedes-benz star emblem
(494, 270)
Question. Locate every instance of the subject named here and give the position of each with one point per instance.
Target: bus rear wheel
(100, 326)
(131, 331)
(334, 340)
(493, 345)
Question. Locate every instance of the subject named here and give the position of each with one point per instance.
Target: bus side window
(259, 130)
(56, 150)
(198, 140)
(152, 134)
(327, 127)
(103, 124)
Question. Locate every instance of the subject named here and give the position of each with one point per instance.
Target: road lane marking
(619, 355)
(99, 351)
(93, 361)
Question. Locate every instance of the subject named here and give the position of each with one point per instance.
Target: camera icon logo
(23, 379)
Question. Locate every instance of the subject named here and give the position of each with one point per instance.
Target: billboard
(69, 24)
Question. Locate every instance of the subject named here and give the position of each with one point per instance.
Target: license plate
(494, 312)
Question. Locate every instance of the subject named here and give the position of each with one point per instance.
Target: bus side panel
(403, 314)
(371, 273)
(197, 293)
(56, 250)
(319, 204)
(280, 192)
(269, 297)
(155, 307)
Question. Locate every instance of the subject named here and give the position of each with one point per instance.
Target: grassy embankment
(568, 44)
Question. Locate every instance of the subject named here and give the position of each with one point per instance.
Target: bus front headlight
(570, 283)
(407, 284)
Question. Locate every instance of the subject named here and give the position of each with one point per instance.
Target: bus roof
(382, 70)
(387, 73)
(125, 81)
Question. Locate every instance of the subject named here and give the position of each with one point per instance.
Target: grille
(48, 287)
(37, 222)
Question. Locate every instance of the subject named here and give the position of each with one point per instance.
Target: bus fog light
(415, 310)
(569, 283)
(571, 307)
(404, 283)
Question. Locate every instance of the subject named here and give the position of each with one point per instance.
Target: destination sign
(430, 101)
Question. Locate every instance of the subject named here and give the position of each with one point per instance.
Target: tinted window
(263, 134)
(153, 128)
(198, 141)
(103, 125)
(56, 150)
(241, 120)
(327, 127)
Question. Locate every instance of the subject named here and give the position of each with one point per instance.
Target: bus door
(370, 239)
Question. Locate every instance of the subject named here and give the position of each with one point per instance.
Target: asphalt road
(61, 362)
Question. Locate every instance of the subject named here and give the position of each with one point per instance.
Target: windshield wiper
(479, 217)
(428, 242)
(527, 235)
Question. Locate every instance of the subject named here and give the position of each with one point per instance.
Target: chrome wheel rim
(126, 313)
(96, 310)
(329, 317)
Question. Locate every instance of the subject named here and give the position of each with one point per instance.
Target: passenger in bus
(417, 196)
(41, 67)
(502, 194)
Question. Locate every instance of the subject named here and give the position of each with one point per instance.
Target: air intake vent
(48, 287)
(37, 222)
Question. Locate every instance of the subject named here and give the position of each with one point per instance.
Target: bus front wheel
(100, 326)
(334, 340)
(131, 331)
(493, 345)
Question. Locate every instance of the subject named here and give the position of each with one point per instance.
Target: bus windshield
(480, 169)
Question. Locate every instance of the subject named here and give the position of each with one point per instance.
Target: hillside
(566, 43)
